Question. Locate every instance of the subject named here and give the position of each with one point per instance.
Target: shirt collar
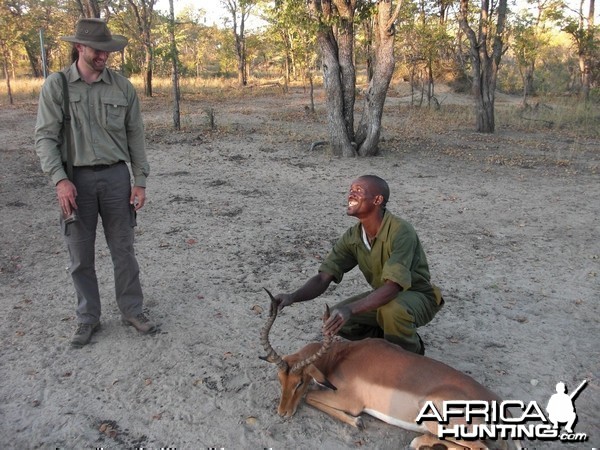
(382, 229)
(74, 74)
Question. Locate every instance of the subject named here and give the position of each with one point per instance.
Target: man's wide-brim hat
(95, 34)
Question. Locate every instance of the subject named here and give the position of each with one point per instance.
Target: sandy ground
(509, 223)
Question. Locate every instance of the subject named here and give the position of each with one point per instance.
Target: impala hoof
(359, 423)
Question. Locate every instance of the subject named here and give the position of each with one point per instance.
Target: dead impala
(375, 377)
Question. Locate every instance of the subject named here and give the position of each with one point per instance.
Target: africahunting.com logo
(510, 419)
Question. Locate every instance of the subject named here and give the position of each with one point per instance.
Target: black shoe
(422, 349)
(84, 333)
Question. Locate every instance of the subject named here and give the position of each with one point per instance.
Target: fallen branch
(317, 144)
(548, 123)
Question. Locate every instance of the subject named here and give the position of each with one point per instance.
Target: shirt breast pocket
(75, 106)
(114, 110)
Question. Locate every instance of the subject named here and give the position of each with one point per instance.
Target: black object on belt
(99, 166)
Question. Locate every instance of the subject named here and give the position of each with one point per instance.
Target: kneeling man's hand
(339, 316)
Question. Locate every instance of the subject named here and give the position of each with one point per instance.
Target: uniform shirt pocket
(75, 105)
(113, 113)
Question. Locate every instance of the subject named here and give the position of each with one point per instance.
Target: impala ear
(318, 376)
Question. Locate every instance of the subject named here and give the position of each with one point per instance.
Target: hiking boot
(83, 334)
(141, 323)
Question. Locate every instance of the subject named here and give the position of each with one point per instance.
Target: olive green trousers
(397, 321)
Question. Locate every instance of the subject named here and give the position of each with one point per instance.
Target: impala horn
(272, 355)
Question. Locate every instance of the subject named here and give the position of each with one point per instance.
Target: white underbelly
(399, 408)
(411, 426)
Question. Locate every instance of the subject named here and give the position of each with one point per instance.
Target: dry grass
(566, 115)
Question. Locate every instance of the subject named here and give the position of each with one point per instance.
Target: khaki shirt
(396, 255)
(105, 119)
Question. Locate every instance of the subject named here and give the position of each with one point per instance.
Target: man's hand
(339, 316)
(138, 197)
(282, 300)
(66, 193)
(313, 287)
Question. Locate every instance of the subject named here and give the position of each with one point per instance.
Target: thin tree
(486, 50)
(239, 10)
(4, 48)
(293, 32)
(530, 36)
(586, 42)
(175, 72)
(143, 11)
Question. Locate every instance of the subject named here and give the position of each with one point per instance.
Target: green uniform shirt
(396, 255)
(105, 119)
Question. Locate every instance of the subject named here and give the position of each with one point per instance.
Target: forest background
(547, 45)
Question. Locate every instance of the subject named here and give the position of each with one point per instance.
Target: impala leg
(432, 441)
(427, 442)
(324, 401)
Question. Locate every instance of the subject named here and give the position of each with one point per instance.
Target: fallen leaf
(251, 420)
(147, 381)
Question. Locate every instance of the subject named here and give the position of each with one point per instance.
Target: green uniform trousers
(396, 321)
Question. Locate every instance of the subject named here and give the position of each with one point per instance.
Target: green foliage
(291, 36)
(427, 39)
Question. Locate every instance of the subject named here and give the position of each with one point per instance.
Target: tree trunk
(175, 73)
(6, 72)
(34, 61)
(484, 64)
(585, 57)
(369, 129)
(529, 79)
(240, 50)
(241, 57)
(312, 92)
(347, 72)
(148, 75)
(143, 11)
(337, 49)
(340, 143)
(484, 102)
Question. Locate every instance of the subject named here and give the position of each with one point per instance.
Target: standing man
(388, 252)
(107, 133)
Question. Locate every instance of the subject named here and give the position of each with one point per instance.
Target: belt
(99, 166)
